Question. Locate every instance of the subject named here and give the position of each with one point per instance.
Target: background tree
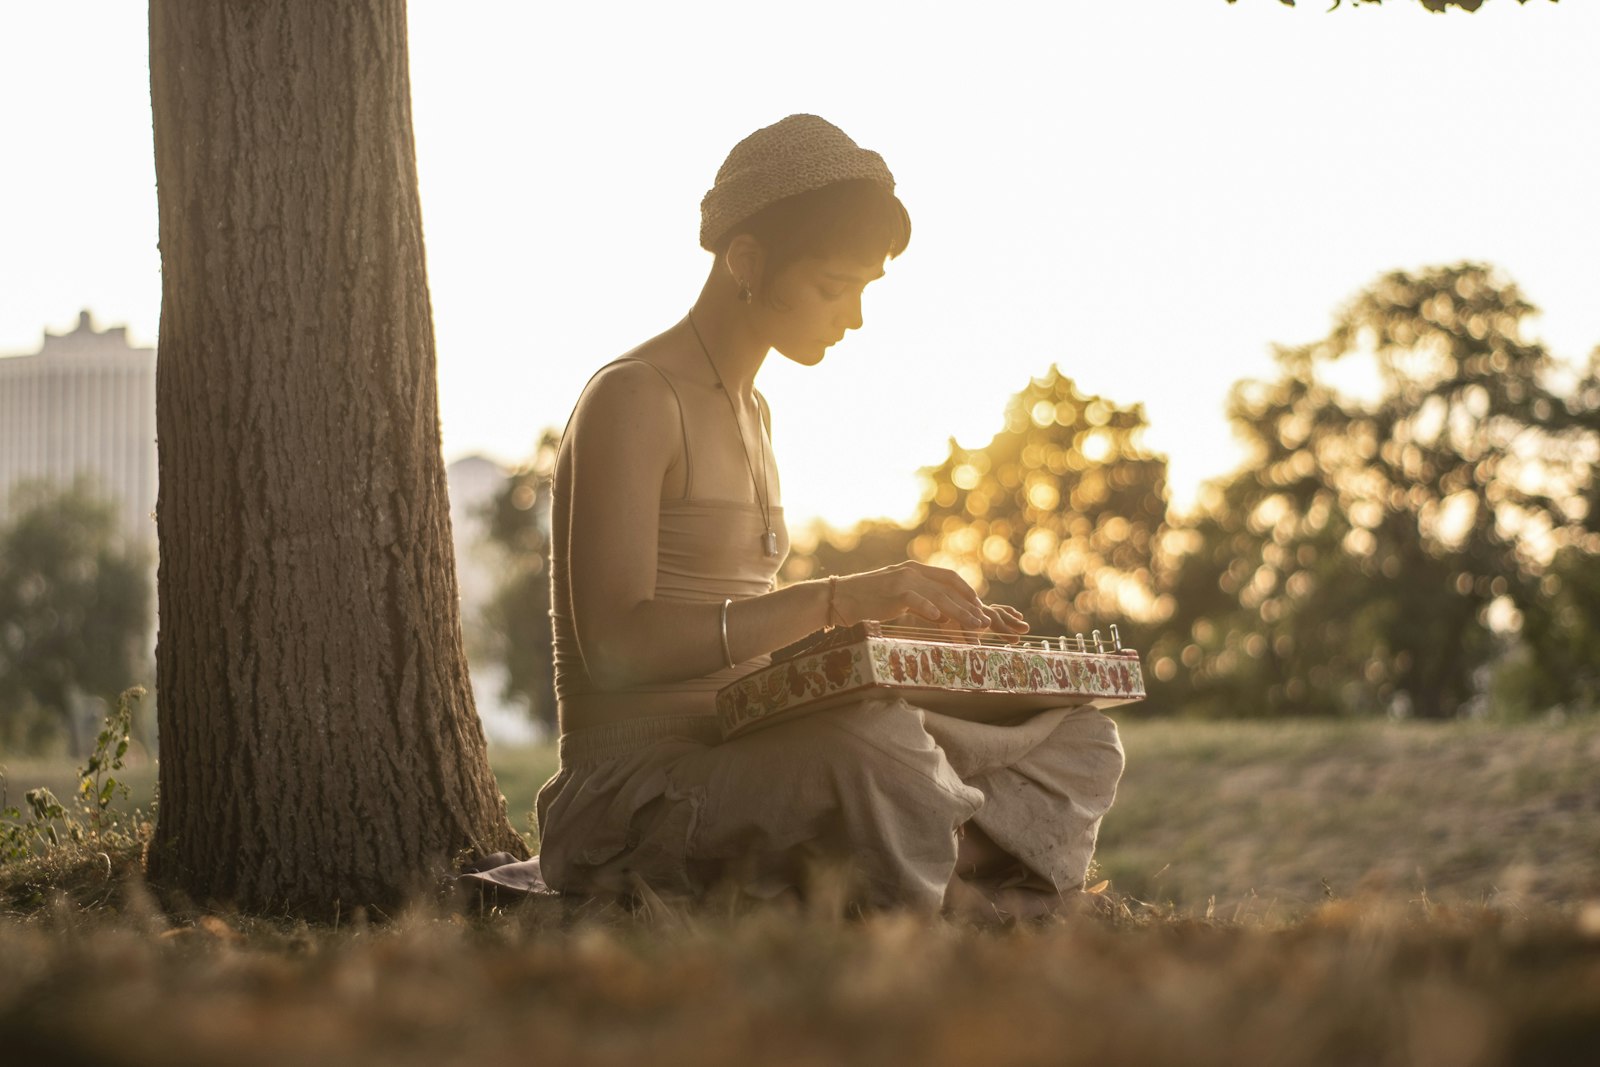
(1431, 5)
(74, 614)
(515, 630)
(320, 748)
(1419, 520)
(1061, 514)
(1559, 661)
(1372, 552)
(819, 550)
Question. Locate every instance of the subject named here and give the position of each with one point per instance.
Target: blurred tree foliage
(74, 614)
(1061, 514)
(1380, 553)
(1559, 661)
(820, 551)
(515, 630)
(1431, 5)
(1417, 529)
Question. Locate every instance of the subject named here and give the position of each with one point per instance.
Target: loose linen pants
(880, 785)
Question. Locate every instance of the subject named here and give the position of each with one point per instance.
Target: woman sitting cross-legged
(668, 534)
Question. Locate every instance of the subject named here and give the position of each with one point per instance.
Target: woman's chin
(806, 355)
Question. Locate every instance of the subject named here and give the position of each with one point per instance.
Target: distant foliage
(1061, 514)
(1558, 662)
(74, 614)
(1431, 5)
(1382, 552)
(516, 630)
(1416, 531)
(820, 551)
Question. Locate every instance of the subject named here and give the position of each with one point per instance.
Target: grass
(1349, 983)
(1291, 812)
(1460, 812)
(1312, 893)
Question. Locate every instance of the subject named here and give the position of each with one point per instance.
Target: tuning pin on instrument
(1062, 643)
(1081, 646)
(1098, 647)
(1116, 639)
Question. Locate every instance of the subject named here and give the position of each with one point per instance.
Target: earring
(744, 292)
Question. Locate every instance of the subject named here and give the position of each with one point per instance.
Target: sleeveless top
(708, 550)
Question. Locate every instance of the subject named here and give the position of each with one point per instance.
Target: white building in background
(85, 403)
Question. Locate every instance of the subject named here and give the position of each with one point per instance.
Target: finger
(959, 633)
(921, 585)
(962, 594)
(964, 614)
(1011, 618)
(922, 607)
(1001, 618)
(947, 577)
(939, 614)
(1005, 628)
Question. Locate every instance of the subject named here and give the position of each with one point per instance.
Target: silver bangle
(726, 654)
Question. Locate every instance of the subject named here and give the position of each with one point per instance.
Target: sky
(1149, 195)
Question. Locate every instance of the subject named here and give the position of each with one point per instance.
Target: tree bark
(319, 744)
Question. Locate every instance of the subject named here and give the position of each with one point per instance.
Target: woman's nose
(853, 317)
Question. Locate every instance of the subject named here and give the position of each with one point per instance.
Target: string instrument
(979, 676)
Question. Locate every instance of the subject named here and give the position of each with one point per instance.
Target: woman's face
(814, 302)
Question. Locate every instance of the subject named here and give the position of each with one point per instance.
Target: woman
(667, 536)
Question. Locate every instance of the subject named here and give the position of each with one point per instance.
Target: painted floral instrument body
(977, 677)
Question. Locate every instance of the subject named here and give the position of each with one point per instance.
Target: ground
(1362, 893)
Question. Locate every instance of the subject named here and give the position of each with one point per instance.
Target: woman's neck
(735, 351)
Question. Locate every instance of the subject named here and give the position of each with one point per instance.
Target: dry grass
(1256, 815)
(1456, 812)
(1397, 968)
(1352, 983)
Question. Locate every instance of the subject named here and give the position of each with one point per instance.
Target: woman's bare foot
(978, 856)
(986, 904)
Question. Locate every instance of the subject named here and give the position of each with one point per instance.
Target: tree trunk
(319, 743)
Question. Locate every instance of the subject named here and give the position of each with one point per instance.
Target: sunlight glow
(1153, 240)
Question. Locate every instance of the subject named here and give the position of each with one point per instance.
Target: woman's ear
(744, 261)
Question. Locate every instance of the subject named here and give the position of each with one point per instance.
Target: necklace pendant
(769, 544)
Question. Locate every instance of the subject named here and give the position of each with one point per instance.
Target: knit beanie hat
(794, 155)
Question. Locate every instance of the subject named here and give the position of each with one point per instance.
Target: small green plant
(48, 824)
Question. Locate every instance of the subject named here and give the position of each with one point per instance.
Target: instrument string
(933, 633)
(989, 639)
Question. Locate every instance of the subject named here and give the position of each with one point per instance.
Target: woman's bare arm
(626, 438)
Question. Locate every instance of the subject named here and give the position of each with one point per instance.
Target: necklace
(769, 537)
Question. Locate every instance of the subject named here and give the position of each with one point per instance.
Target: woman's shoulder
(633, 391)
(628, 422)
(629, 377)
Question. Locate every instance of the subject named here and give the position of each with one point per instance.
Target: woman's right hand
(937, 595)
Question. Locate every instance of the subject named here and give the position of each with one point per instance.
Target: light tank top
(708, 550)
